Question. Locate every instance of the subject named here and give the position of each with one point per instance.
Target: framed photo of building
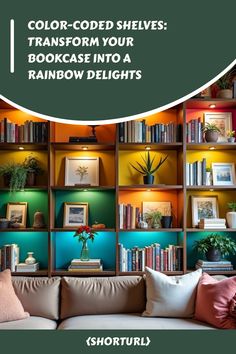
(82, 171)
(163, 207)
(204, 208)
(223, 120)
(223, 174)
(75, 215)
(17, 213)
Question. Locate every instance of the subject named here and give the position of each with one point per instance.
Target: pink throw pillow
(10, 306)
(215, 303)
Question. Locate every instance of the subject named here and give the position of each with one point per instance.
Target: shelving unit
(55, 246)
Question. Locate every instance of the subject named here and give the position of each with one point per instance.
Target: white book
(187, 174)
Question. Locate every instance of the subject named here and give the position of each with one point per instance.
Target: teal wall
(101, 205)
(67, 247)
(36, 242)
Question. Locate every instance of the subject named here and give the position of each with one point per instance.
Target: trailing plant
(222, 243)
(210, 127)
(148, 168)
(232, 206)
(16, 174)
(32, 165)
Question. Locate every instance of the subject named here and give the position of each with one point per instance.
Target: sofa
(73, 303)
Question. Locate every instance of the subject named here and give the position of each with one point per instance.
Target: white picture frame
(223, 120)
(75, 215)
(204, 207)
(223, 174)
(17, 213)
(163, 207)
(82, 171)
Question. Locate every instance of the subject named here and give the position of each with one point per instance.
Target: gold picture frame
(17, 213)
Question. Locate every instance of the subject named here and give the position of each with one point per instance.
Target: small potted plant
(231, 136)
(32, 166)
(208, 176)
(148, 168)
(85, 233)
(211, 132)
(153, 218)
(14, 176)
(231, 215)
(225, 85)
(215, 246)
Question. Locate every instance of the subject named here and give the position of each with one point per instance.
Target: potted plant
(14, 176)
(231, 136)
(225, 85)
(231, 215)
(153, 219)
(215, 246)
(32, 166)
(211, 132)
(148, 168)
(208, 176)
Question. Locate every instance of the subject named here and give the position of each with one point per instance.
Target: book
(100, 269)
(23, 267)
(90, 262)
(223, 262)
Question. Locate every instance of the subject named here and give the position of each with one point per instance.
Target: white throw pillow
(171, 296)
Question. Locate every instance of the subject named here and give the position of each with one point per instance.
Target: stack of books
(220, 266)
(128, 216)
(23, 267)
(92, 265)
(196, 173)
(9, 257)
(194, 131)
(212, 223)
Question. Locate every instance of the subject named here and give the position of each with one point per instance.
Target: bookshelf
(55, 246)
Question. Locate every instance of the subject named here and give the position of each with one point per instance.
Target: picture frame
(82, 171)
(204, 207)
(17, 213)
(223, 174)
(223, 120)
(163, 207)
(75, 214)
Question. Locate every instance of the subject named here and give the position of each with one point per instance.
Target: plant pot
(208, 178)
(231, 139)
(31, 179)
(166, 222)
(211, 137)
(231, 219)
(213, 255)
(149, 179)
(228, 93)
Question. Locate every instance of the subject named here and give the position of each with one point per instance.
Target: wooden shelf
(79, 146)
(26, 146)
(218, 272)
(153, 146)
(152, 230)
(142, 273)
(77, 188)
(207, 146)
(203, 103)
(21, 229)
(61, 229)
(211, 188)
(150, 187)
(37, 273)
(66, 273)
(30, 189)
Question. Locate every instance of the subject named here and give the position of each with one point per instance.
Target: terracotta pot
(213, 255)
(225, 94)
(211, 136)
(31, 179)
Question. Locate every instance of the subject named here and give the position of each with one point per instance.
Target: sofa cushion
(11, 308)
(89, 296)
(39, 296)
(215, 301)
(30, 323)
(129, 321)
(171, 296)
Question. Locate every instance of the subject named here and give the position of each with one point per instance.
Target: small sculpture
(39, 222)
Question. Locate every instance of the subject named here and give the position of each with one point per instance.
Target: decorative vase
(227, 93)
(231, 219)
(166, 222)
(231, 139)
(148, 179)
(208, 178)
(84, 255)
(30, 259)
(4, 223)
(213, 255)
(211, 136)
(31, 179)
(39, 220)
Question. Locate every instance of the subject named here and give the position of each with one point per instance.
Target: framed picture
(223, 174)
(82, 171)
(17, 213)
(75, 214)
(204, 208)
(223, 120)
(163, 207)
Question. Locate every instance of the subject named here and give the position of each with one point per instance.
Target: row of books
(194, 132)
(214, 266)
(29, 132)
(139, 132)
(9, 259)
(153, 256)
(196, 173)
(128, 216)
(91, 265)
(214, 223)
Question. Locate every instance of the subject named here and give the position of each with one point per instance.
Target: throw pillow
(171, 296)
(215, 302)
(10, 306)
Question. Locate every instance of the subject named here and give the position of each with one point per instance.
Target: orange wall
(16, 116)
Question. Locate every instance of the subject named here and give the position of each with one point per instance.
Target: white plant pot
(208, 178)
(231, 219)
